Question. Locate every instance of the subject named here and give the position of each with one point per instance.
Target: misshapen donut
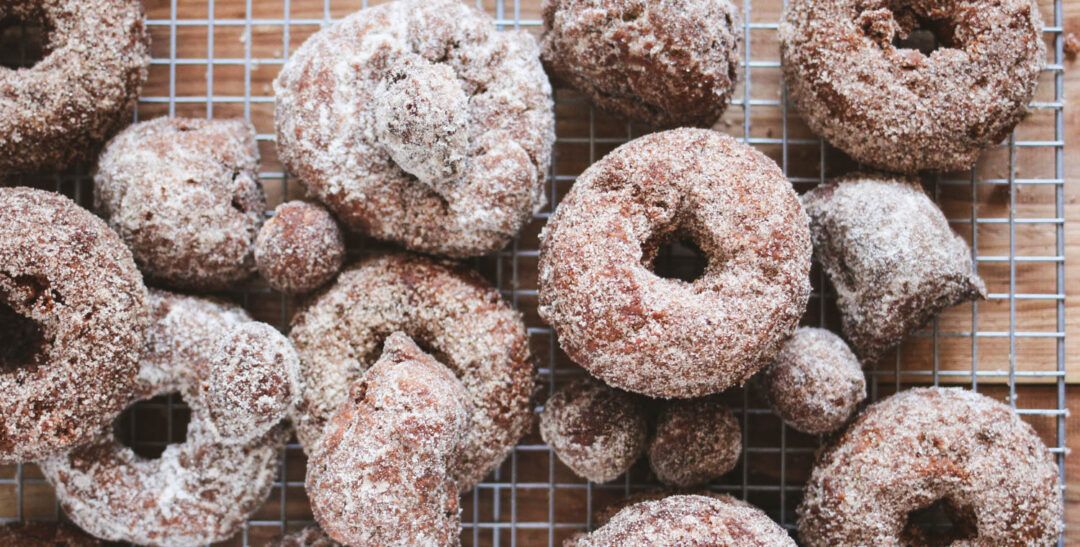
(896, 108)
(73, 315)
(444, 307)
(926, 446)
(418, 123)
(199, 491)
(720, 521)
(380, 473)
(60, 110)
(665, 337)
(184, 194)
(667, 64)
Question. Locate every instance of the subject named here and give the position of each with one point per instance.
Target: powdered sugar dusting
(665, 337)
(345, 78)
(300, 248)
(696, 441)
(927, 445)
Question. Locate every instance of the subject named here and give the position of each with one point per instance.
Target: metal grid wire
(532, 499)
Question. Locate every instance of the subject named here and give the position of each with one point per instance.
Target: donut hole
(149, 427)
(23, 343)
(679, 258)
(940, 524)
(22, 43)
(924, 34)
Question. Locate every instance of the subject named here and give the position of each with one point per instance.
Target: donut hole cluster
(23, 341)
(167, 414)
(942, 522)
(23, 42)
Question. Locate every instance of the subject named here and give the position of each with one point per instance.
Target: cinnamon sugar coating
(300, 248)
(312, 536)
(934, 445)
(417, 122)
(896, 108)
(816, 383)
(667, 64)
(596, 431)
(381, 473)
(891, 256)
(184, 194)
(197, 492)
(445, 307)
(720, 521)
(73, 315)
(82, 91)
(696, 441)
(44, 534)
(666, 337)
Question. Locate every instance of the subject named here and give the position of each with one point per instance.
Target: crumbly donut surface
(450, 310)
(66, 106)
(184, 194)
(666, 337)
(368, 115)
(696, 441)
(720, 521)
(816, 383)
(891, 256)
(73, 316)
(300, 248)
(898, 109)
(380, 474)
(930, 445)
(667, 64)
(197, 492)
(596, 431)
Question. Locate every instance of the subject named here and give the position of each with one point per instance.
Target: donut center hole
(22, 43)
(149, 427)
(23, 342)
(923, 34)
(679, 258)
(940, 524)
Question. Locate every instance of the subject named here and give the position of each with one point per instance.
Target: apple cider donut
(44, 534)
(416, 122)
(696, 441)
(184, 194)
(900, 109)
(299, 248)
(444, 307)
(60, 110)
(199, 491)
(665, 337)
(73, 315)
(971, 454)
(379, 475)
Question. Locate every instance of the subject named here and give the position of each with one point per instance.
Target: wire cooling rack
(217, 59)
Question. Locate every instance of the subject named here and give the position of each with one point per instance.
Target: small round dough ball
(300, 248)
(597, 431)
(816, 383)
(696, 441)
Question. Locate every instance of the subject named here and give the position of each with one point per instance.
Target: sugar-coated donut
(896, 108)
(446, 308)
(63, 108)
(717, 521)
(197, 492)
(891, 256)
(44, 534)
(666, 337)
(299, 248)
(696, 441)
(928, 446)
(668, 64)
(73, 315)
(816, 383)
(184, 194)
(417, 122)
(311, 536)
(380, 473)
(596, 431)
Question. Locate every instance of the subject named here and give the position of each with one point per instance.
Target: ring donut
(666, 337)
(84, 89)
(199, 491)
(418, 123)
(927, 446)
(73, 315)
(897, 108)
(448, 310)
